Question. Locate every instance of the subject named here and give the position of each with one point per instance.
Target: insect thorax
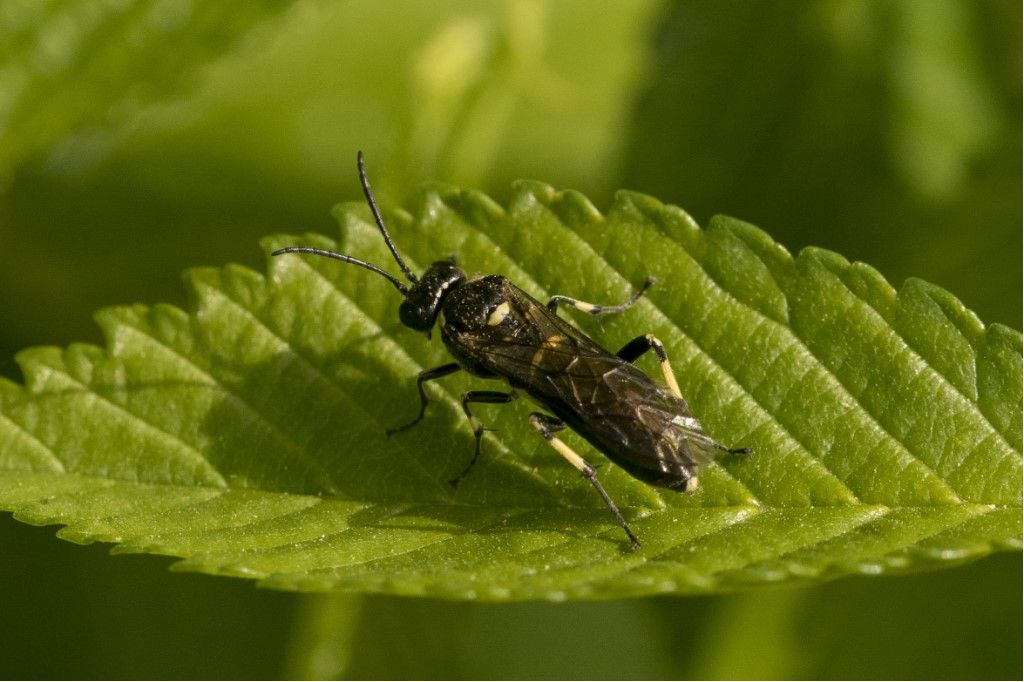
(472, 315)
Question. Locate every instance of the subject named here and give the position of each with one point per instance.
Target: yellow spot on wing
(554, 341)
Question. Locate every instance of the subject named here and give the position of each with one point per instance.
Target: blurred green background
(138, 139)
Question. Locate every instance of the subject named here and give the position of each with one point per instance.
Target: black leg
(425, 376)
(547, 426)
(595, 309)
(488, 397)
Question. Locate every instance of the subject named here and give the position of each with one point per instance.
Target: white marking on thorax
(498, 315)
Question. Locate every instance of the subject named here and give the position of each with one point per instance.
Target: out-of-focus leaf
(88, 68)
(886, 131)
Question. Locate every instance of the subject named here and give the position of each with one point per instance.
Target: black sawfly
(493, 329)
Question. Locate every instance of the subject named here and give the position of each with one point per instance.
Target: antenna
(380, 221)
(364, 181)
(344, 259)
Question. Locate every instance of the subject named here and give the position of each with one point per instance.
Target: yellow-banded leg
(597, 309)
(547, 426)
(640, 345)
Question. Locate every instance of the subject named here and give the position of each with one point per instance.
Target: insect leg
(547, 426)
(594, 308)
(492, 397)
(425, 376)
(640, 345)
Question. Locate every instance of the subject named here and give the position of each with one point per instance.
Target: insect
(493, 329)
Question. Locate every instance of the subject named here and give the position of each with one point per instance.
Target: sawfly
(495, 330)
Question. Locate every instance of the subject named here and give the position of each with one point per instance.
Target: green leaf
(248, 435)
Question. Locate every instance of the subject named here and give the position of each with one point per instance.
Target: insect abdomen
(632, 420)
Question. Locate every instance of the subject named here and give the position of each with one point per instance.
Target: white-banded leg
(640, 345)
(597, 309)
(425, 376)
(486, 397)
(547, 426)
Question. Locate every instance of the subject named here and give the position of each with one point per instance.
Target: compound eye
(498, 314)
(418, 317)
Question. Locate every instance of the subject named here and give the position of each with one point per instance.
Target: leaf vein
(48, 455)
(133, 417)
(924, 366)
(254, 413)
